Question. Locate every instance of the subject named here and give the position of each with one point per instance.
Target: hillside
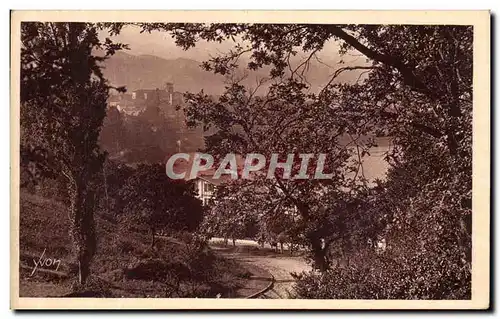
(124, 264)
(149, 71)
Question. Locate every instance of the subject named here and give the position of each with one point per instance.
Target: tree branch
(408, 75)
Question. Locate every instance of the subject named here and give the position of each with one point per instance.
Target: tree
(113, 135)
(114, 175)
(416, 87)
(278, 230)
(63, 103)
(431, 63)
(150, 135)
(224, 218)
(149, 198)
(282, 122)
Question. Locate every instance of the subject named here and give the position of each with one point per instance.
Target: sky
(161, 44)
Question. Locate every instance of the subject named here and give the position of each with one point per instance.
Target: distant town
(160, 108)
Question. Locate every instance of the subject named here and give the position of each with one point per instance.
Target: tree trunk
(83, 272)
(234, 242)
(281, 246)
(262, 241)
(105, 186)
(82, 229)
(319, 254)
(225, 241)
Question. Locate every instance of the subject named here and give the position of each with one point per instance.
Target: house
(205, 183)
(166, 99)
(205, 187)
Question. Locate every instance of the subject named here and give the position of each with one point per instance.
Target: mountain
(149, 71)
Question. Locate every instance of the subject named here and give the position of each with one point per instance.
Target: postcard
(250, 160)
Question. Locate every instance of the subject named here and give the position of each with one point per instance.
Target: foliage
(119, 250)
(223, 219)
(282, 122)
(113, 135)
(150, 136)
(63, 102)
(149, 198)
(146, 137)
(415, 86)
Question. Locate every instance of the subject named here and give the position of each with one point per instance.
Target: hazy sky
(161, 44)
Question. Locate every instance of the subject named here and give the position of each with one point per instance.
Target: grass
(124, 264)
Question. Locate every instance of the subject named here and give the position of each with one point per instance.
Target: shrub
(388, 275)
(157, 270)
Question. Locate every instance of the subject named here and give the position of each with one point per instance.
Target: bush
(157, 270)
(342, 283)
(388, 275)
(175, 267)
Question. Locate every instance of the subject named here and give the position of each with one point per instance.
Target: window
(208, 187)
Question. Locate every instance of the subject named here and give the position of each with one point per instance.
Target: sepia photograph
(250, 160)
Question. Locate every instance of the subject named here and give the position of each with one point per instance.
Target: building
(160, 105)
(205, 187)
(166, 99)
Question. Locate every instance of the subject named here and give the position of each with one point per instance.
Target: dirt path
(278, 265)
(280, 268)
